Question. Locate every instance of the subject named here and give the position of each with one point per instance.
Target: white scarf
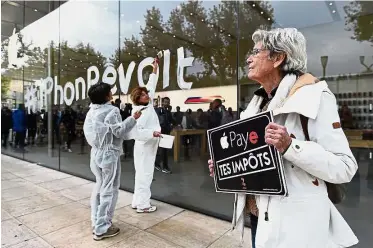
(252, 109)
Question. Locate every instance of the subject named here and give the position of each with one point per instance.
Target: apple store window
(52, 52)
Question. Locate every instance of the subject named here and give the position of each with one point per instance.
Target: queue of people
(28, 128)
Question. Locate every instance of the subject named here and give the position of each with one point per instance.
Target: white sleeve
(328, 155)
(118, 127)
(151, 86)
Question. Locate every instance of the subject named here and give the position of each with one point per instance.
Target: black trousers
(20, 139)
(162, 158)
(31, 135)
(4, 137)
(70, 137)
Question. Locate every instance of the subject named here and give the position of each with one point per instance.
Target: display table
(178, 133)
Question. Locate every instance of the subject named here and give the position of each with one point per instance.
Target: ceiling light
(192, 43)
(87, 54)
(261, 13)
(333, 11)
(81, 61)
(191, 14)
(269, 19)
(75, 66)
(55, 63)
(138, 21)
(61, 69)
(65, 65)
(221, 31)
(129, 53)
(254, 5)
(229, 35)
(174, 36)
(203, 20)
(330, 4)
(35, 10)
(151, 26)
(138, 56)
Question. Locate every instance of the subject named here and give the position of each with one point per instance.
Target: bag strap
(304, 122)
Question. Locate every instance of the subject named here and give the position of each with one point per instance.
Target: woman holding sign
(147, 133)
(315, 151)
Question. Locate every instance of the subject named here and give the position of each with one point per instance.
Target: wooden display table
(178, 133)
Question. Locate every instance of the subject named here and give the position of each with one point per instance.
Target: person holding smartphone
(147, 134)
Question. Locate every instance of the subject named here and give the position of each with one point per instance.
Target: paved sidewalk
(43, 208)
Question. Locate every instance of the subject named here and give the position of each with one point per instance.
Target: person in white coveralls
(104, 131)
(146, 134)
(306, 217)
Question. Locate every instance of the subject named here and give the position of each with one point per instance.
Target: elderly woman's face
(144, 98)
(259, 64)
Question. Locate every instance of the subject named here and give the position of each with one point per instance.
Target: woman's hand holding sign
(277, 136)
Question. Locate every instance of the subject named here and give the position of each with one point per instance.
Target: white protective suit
(145, 149)
(104, 131)
(306, 217)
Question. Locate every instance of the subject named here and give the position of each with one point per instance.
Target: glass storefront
(52, 51)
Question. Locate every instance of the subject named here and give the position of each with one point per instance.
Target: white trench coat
(306, 218)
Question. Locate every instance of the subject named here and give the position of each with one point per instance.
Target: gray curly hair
(285, 40)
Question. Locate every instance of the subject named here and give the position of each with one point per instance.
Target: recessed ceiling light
(192, 43)
(191, 14)
(254, 5)
(229, 35)
(333, 11)
(269, 19)
(203, 20)
(261, 13)
(330, 4)
(35, 10)
(174, 36)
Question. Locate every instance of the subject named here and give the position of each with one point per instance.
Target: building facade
(52, 51)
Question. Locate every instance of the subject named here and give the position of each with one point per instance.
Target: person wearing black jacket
(6, 124)
(127, 144)
(166, 121)
(32, 127)
(69, 117)
(215, 115)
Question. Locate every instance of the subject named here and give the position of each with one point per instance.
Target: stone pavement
(43, 208)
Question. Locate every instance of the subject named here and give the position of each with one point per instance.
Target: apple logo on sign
(224, 141)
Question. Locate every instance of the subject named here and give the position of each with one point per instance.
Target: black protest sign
(243, 162)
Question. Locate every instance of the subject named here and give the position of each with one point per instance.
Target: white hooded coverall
(104, 131)
(145, 149)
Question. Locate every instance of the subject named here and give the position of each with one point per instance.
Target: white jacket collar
(305, 101)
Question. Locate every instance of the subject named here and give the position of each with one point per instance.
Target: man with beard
(166, 121)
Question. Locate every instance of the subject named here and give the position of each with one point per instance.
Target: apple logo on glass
(224, 141)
